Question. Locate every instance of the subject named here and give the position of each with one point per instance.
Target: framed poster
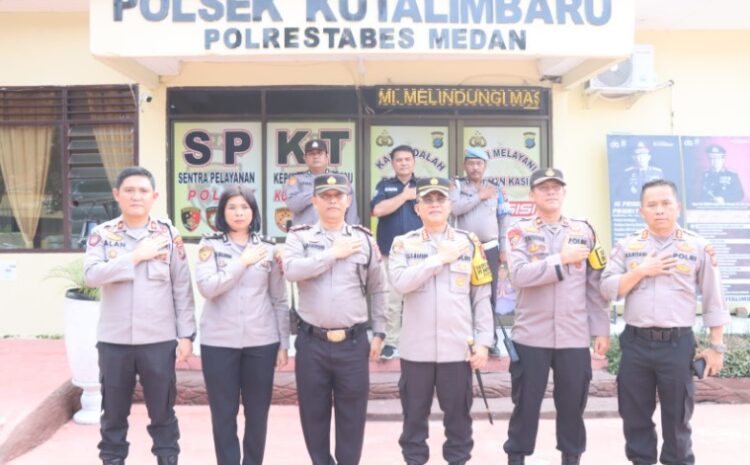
(206, 157)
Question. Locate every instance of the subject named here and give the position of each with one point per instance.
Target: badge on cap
(331, 180)
(434, 181)
(549, 172)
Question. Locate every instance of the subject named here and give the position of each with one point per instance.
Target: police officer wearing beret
(299, 187)
(147, 311)
(336, 267)
(659, 271)
(445, 280)
(393, 204)
(719, 185)
(244, 325)
(638, 174)
(475, 205)
(558, 310)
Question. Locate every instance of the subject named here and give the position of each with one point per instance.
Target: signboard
(431, 152)
(286, 140)
(273, 28)
(494, 98)
(206, 157)
(633, 161)
(514, 153)
(717, 177)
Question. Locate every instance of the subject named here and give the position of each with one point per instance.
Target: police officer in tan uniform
(244, 326)
(299, 187)
(475, 205)
(659, 270)
(559, 309)
(336, 267)
(444, 306)
(147, 311)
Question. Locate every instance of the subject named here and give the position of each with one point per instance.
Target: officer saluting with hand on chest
(658, 270)
(147, 310)
(336, 266)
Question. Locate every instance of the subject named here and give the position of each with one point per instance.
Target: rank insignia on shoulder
(299, 227)
(362, 228)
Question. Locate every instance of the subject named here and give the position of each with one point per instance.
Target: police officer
(244, 326)
(559, 308)
(719, 185)
(299, 187)
(657, 270)
(443, 307)
(336, 266)
(393, 204)
(147, 310)
(640, 173)
(475, 203)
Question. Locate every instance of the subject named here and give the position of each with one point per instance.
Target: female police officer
(245, 325)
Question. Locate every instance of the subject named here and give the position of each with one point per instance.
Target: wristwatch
(380, 335)
(718, 347)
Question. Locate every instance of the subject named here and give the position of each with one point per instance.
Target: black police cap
(545, 174)
(434, 184)
(331, 181)
(316, 144)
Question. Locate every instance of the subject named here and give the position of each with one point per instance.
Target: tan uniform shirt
(476, 215)
(299, 191)
(245, 306)
(330, 290)
(442, 309)
(667, 301)
(145, 303)
(558, 306)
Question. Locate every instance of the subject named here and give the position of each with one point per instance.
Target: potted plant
(81, 309)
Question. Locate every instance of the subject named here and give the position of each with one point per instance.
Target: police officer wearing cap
(475, 206)
(146, 312)
(659, 271)
(445, 280)
(299, 187)
(558, 310)
(393, 204)
(244, 325)
(719, 185)
(337, 266)
(640, 173)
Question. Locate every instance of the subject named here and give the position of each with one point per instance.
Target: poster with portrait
(285, 157)
(431, 152)
(717, 176)
(633, 161)
(206, 157)
(514, 153)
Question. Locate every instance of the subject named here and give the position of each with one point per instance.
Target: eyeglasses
(434, 200)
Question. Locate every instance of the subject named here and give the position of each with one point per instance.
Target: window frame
(64, 122)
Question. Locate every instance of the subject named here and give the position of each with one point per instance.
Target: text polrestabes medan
(352, 22)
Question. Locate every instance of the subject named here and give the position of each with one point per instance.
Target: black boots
(571, 459)
(516, 459)
(113, 462)
(166, 460)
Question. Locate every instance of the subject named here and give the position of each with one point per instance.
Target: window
(60, 152)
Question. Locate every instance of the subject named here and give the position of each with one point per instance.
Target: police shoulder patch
(205, 252)
(292, 180)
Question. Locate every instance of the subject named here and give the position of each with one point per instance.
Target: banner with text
(286, 140)
(206, 157)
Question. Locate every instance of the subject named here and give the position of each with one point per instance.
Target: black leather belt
(660, 334)
(331, 335)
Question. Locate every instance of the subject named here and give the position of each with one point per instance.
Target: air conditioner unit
(636, 74)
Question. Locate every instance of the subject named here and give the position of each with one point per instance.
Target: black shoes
(166, 460)
(113, 462)
(516, 459)
(571, 459)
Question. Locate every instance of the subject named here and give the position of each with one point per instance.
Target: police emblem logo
(331, 180)
(460, 281)
(191, 218)
(633, 265)
(211, 217)
(94, 239)
(205, 253)
(112, 253)
(292, 181)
